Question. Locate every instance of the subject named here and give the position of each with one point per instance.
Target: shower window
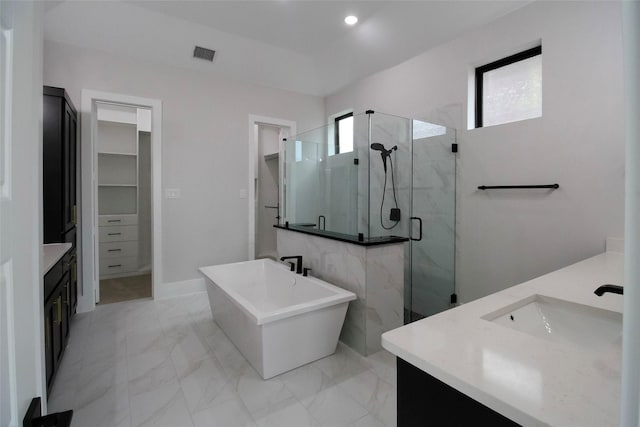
(509, 89)
(344, 133)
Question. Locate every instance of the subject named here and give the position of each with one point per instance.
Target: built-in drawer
(108, 220)
(109, 266)
(118, 249)
(118, 233)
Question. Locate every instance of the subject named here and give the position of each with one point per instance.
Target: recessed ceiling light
(351, 20)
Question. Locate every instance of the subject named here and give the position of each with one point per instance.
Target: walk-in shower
(399, 180)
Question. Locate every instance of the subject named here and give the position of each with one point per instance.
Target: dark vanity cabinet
(60, 212)
(60, 166)
(424, 400)
(57, 315)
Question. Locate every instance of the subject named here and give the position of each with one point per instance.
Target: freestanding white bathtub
(278, 320)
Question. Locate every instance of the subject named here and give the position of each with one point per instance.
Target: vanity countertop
(530, 380)
(51, 253)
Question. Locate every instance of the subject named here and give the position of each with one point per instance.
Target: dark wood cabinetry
(57, 316)
(424, 400)
(60, 211)
(59, 164)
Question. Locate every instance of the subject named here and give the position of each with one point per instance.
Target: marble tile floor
(166, 363)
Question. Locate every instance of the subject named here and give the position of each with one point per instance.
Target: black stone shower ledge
(348, 238)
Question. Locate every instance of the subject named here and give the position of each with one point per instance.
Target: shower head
(378, 147)
(384, 153)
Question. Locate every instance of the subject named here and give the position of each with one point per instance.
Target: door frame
(9, 412)
(290, 129)
(89, 191)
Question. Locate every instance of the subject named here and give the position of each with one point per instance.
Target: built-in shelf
(117, 160)
(272, 156)
(118, 170)
(117, 122)
(118, 200)
(110, 153)
(115, 137)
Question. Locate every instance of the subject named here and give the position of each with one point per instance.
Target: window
(298, 151)
(509, 89)
(344, 133)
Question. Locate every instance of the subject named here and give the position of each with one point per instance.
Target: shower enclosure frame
(422, 140)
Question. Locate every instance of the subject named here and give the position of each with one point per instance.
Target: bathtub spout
(298, 259)
(615, 289)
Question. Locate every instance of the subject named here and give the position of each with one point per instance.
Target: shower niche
(397, 184)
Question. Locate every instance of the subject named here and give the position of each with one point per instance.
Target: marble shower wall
(389, 131)
(374, 273)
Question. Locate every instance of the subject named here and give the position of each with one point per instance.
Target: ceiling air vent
(204, 53)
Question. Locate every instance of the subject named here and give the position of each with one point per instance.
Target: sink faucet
(298, 259)
(615, 289)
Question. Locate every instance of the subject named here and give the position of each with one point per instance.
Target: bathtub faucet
(298, 259)
(615, 289)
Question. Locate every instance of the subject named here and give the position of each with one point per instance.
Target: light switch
(172, 193)
(243, 193)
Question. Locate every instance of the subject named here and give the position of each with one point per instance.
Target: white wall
(205, 150)
(506, 238)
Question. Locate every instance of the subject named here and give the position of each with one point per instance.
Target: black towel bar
(501, 187)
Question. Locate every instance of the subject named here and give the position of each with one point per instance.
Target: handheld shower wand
(395, 212)
(384, 153)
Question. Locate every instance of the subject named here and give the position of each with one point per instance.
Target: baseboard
(145, 269)
(127, 274)
(615, 244)
(180, 288)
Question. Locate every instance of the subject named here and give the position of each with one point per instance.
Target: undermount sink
(587, 327)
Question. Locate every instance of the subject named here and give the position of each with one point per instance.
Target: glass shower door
(431, 266)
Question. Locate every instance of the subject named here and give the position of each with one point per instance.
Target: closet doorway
(123, 137)
(266, 136)
(121, 198)
(267, 197)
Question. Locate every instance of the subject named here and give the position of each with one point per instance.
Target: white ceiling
(302, 26)
(303, 46)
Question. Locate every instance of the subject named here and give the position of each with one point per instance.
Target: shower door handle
(419, 229)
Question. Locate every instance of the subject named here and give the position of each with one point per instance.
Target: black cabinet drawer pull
(114, 250)
(114, 220)
(113, 234)
(115, 265)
